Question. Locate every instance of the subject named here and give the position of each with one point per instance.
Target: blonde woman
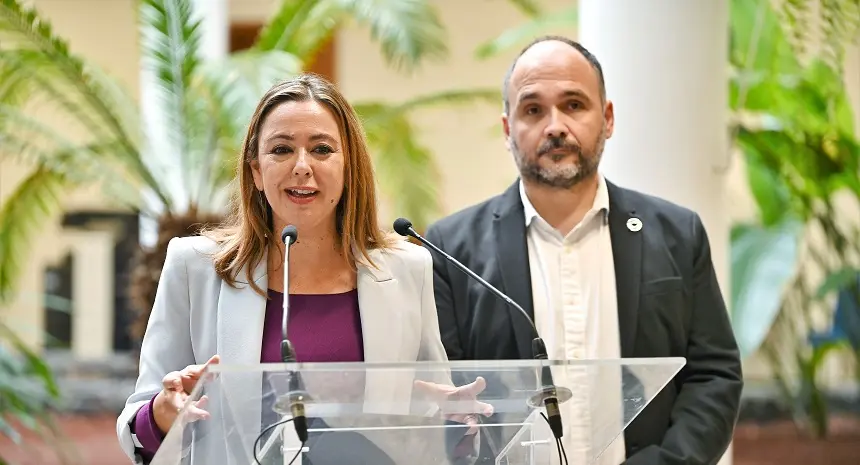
(356, 293)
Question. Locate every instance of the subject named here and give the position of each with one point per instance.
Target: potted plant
(795, 129)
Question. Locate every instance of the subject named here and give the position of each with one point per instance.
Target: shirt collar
(601, 201)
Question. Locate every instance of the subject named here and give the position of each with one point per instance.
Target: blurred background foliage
(795, 269)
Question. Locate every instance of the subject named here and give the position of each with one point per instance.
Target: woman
(356, 294)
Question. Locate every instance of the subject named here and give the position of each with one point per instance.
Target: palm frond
(27, 386)
(450, 98)
(15, 88)
(409, 31)
(522, 34)
(283, 26)
(408, 175)
(30, 49)
(35, 143)
(23, 213)
(170, 43)
(29, 141)
(821, 29)
(529, 8)
(124, 106)
(408, 172)
(233, 87)
(23, 29)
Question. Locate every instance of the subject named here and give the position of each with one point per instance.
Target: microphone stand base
(562, 394)
(283, 404)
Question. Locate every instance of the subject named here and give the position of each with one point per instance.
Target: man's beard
(560, 177)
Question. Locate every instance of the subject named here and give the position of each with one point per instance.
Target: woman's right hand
(176, 387)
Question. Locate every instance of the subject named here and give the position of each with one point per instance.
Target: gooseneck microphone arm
(404, 227)
(289, 236)
(548, 395)
(296, 394)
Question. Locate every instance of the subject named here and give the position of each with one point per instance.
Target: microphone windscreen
(289, 235)
(403, 226)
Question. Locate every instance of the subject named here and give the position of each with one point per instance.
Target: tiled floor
(95, 443)
(93, 439)
(781, 444)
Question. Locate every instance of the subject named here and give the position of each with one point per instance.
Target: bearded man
(604, 271)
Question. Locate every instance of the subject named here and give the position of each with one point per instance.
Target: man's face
(557, 123)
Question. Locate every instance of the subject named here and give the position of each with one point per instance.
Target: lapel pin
(634, 224)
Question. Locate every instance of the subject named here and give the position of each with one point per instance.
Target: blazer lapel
(627, 258)
(241, 313)
(380, 317)
(381, 308)
(512, 254)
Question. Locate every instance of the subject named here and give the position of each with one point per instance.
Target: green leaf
(170, 47)
(757, 40)
(29, 43)
(450, 98)
(408, 173)
(763, 262)
(7, 430)
(15, 88)
(823, 27)
(22, 215)
(838, 280)
(30, 49)
(520, 35)
(800, 160)
(768, 188)
(409, 31)
(27, 386)
(281, 29)
(529, 8)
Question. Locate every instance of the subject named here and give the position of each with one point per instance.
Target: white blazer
(196, 315)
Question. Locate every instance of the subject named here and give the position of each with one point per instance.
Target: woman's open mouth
(302, 195)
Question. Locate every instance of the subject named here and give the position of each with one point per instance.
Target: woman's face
(300, 165)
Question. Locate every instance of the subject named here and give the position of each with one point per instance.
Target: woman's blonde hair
(247, 231)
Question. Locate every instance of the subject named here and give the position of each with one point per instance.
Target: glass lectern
(488, 412)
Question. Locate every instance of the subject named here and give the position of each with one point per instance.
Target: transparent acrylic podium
(415, 414)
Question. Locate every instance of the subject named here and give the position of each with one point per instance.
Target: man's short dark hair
(576, 45)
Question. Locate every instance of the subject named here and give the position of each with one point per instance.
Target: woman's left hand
(464, 398)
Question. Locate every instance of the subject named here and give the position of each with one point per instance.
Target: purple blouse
(322, 328)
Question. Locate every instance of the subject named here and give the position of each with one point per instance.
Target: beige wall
(467, 142)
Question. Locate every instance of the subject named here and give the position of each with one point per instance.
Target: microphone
(288, 236)
(295, 396)
(549, 395)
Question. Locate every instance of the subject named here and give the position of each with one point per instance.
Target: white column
(666, 70)
(92, 293)
(215, 31)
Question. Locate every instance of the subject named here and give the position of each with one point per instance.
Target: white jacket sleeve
(167, 342)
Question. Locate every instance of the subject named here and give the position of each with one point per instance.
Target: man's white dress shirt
(576, 313)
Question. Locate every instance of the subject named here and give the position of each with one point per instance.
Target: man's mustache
(556, 144)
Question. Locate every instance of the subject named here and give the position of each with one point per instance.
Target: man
(605, 272)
